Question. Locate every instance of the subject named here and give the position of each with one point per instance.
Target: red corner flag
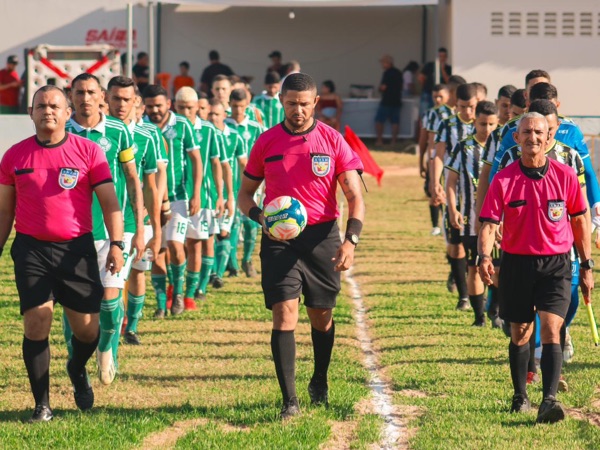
(361, 149)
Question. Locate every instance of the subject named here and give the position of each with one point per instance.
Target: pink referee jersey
(535, 211)
(304, 166)
(54, 186)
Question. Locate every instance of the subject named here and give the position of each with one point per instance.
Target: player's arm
(217, 173)
(7, 212)
(153, 203)
(351, 186)
(456, 219)
(580, 224)
(196, 161)
(485, 245)
(438, 166)
(113, 219)
(136, 198)
(483, 184)
(228, 181)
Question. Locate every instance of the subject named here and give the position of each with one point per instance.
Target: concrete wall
(572, 61)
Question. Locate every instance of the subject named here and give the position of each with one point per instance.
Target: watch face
(354, 239)
(591, 263)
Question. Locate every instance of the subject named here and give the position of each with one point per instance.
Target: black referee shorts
(452, 234)
(67, 270)
(534, 283)
(302, 266)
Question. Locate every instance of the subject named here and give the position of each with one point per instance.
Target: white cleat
(106, 367)
(569, 350)
(436, 231)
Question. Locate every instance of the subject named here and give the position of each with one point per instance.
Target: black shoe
(212, 277)
(178, 305)
(218, 283)
(233, 273)
(479, 322)
(82, 390)
(290, 409)
(318, 393)
(41, 413)
(131, 338)
(159, 314)
(550, 411)
(520, 403)
(463, 305)
(200, 296)
(450, 283)
(248, 269)
(497, 322)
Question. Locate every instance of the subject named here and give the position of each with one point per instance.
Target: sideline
(394, 432)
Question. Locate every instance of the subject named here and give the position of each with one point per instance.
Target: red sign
(117, 37)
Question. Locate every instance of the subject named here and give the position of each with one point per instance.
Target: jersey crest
(246, 135)
(321, 165)
(171, 133)
(105, 144)
(556, 210)
(67, 178)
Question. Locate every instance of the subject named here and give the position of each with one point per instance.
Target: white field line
(382, 398)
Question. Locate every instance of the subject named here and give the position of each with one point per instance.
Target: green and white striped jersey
(248, 129)
(271, 109)
(209, 150)
(232, 147)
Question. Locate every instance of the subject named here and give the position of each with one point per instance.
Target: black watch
(480, 259)
(353, 238)
(587, 265)
(119, 244)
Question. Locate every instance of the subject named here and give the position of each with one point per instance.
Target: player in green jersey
(249, 130)
(232, 147)
(268, 102)
(123, 99)
(115, 139)
(183, 151)
(251, 110)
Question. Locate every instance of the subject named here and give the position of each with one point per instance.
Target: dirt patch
(342, 434)
(407, 415)
(400, 171)
(593, 418)
(412, 393)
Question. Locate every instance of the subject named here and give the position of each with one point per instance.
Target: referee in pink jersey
(46, 187)
(306, 159)
(544, 213)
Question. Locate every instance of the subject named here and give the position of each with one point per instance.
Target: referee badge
(68, 178)
(104, 143)
(321, 165)
(556, 210)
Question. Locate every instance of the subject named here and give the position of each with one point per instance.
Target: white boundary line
(382, 398)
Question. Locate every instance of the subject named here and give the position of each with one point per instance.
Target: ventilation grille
(545, 24)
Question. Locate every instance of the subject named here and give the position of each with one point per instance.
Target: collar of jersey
(131, 125)
(459, 118)
(171, 122)
(100, 127)
(226, 131)
(242, 123)
(291, 133)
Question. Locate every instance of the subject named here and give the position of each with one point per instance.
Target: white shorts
(117, 280)
(176, 228)
(203, 225)
(144, 264)
(226, 222)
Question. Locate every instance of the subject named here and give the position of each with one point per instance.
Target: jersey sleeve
(490, 149)
(255, 168)
(126, 153)
(579, 167)
(508, 158)
(189, 139)
(441, 134)
(7, 172)
(454, 164)
(98, 170)
(213, 148)
(493, 205)
(346, 159)
(576, 204)
(151, 157)
(240, 148)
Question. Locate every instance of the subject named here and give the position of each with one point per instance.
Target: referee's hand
(486, 270)
(266, 231)
(344, 257)
(114, 261)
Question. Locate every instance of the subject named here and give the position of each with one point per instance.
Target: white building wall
(562, 38)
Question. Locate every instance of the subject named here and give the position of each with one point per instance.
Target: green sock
(234, 238)
(135, 305)
(222, 256)
(116, 339)
(250, 232)
(159, 283)
(207, 265)
(170, 274)
(67, 333)
(191, 284)
(109, 326)
(177, 279)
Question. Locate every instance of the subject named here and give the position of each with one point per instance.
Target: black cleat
(450, 283)
(159, 314)
(290, 409)
(248, 269)
(520, 403)
(550, 411)
(131, 338)
(82, 389)
(41, 413)
(178, 305)
(318, 393)
(233, 273)
(200, 296)
(218, 283)
(479, 322)
(463, 305)
(496, 322)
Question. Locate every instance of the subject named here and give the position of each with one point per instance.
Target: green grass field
(206, 380)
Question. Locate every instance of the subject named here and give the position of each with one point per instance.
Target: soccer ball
(285, 217)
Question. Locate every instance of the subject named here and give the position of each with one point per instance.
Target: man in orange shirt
(183, 79)
(10, 85)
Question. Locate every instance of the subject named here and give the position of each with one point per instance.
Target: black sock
(518, 355)
(322, 346)
(551, 365)
(459, 271)
(283, 347)
(531, 367)
(478, 305)
(82, 352)
(36, 355)
(563, 336)
(434, 212)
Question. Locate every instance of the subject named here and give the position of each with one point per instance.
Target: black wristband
(354, 226)
(254, 214)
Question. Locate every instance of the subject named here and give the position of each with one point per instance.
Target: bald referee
(46, 187)
(544, 214)
(306, 159)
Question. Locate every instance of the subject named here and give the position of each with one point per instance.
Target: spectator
(212, 70)
(276, 65)
(391, 100)
(10, 86)
(329, 108)
(427, 78)
(141, 71)
(183, 79)
(409, 78)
